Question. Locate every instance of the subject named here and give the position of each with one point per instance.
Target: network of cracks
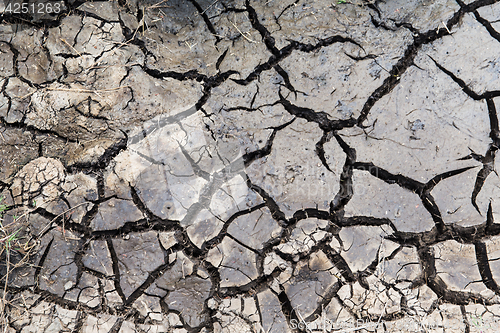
(251, 166)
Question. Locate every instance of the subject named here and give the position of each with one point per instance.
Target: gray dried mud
(252, 166)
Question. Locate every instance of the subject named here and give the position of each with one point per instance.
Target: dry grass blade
(10, 239)
(89, 91)
(242, 33)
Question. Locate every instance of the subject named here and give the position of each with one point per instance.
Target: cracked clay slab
(250, 166)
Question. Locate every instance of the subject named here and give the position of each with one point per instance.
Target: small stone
(202, 273)
(212, 304)
(335, 245)
(174, 319)
(167, 239)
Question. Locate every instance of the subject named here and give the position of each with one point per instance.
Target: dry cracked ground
(251, 166)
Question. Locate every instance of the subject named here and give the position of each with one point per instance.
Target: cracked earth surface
(252, 166)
